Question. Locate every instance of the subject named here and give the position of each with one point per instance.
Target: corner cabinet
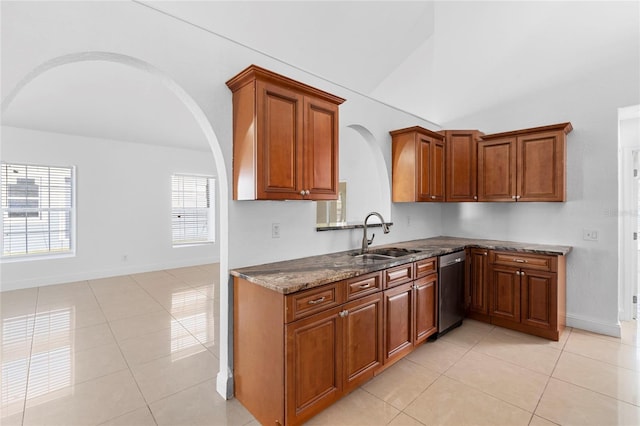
(285, 138)
(476, 290)
(523, 165)
(418, 165)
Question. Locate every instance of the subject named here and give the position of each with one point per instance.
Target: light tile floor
(142, 350)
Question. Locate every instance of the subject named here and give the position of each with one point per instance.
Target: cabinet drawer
(425, 267)
(525, 260)
(363, 285)
(398, 275)
(305, 303)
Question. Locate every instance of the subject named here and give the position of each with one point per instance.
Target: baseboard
(593, 325)
(105, 273)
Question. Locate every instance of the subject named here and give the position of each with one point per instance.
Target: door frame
(628, 147)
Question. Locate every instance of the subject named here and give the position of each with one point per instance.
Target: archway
(224, 375)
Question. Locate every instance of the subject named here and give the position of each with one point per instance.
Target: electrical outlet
(590, 235)
(275, 230)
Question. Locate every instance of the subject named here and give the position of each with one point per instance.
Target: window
(192, 219)
(37, 210)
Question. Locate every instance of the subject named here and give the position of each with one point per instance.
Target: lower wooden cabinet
(410, 312)
(527, 292)
(296, 354)
(331, 353)
(476, 289)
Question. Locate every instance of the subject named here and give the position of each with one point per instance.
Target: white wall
(123, 199)
(590, 102)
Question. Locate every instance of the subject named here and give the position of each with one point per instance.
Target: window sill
(204, 243)
(35, 257)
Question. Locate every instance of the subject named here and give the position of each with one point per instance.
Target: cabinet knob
(343, 314)
(513, 197)
(307, 192)
(433, 197)
(517, 197)
(517, 272)
(475, 197)
(302, 192)
(485, 253)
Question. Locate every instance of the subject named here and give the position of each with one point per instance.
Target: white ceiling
(437, 60)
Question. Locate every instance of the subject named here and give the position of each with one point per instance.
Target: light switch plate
(275, 230)
(590, 235)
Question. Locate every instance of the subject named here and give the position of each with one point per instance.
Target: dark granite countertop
(294, 275)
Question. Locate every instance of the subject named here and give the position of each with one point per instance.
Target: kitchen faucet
(367, 242)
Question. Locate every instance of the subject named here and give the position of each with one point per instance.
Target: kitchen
(588, 99)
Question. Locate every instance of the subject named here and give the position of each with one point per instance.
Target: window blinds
(37, 209)
(192, 215)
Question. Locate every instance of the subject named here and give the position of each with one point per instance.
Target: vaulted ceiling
(437, 60)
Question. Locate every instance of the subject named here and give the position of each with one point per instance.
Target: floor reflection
(193, 313)
(47, 363)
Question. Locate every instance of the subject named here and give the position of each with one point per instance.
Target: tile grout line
(124, 359)
(33, 332)
(550, 376)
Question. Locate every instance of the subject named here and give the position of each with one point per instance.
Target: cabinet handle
(316, 301)
(367, 285)
(343, 314)
(519, 260)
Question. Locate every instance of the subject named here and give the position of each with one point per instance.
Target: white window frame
(207, 237)
(5, 209)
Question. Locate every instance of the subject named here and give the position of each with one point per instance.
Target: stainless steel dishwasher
(450, 291)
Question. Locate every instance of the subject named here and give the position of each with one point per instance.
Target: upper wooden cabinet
(461, 164)
(285, 138)
(418, 165)
(523, 165)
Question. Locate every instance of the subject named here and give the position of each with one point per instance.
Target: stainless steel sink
(384, 253)
(373, 257)
(393, 251)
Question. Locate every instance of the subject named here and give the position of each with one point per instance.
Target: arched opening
(209, 135)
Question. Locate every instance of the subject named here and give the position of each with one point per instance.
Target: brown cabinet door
(478, 281)
(423, 170)
(313, 364)
(398, 321)
(505, 293)
(426, 315)
(437, 170)
(278, 150)
(430, 169)
(461, 166)
(362, 320)
(320, 151)
(541, 164)
(497, 170)
(539, 299)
